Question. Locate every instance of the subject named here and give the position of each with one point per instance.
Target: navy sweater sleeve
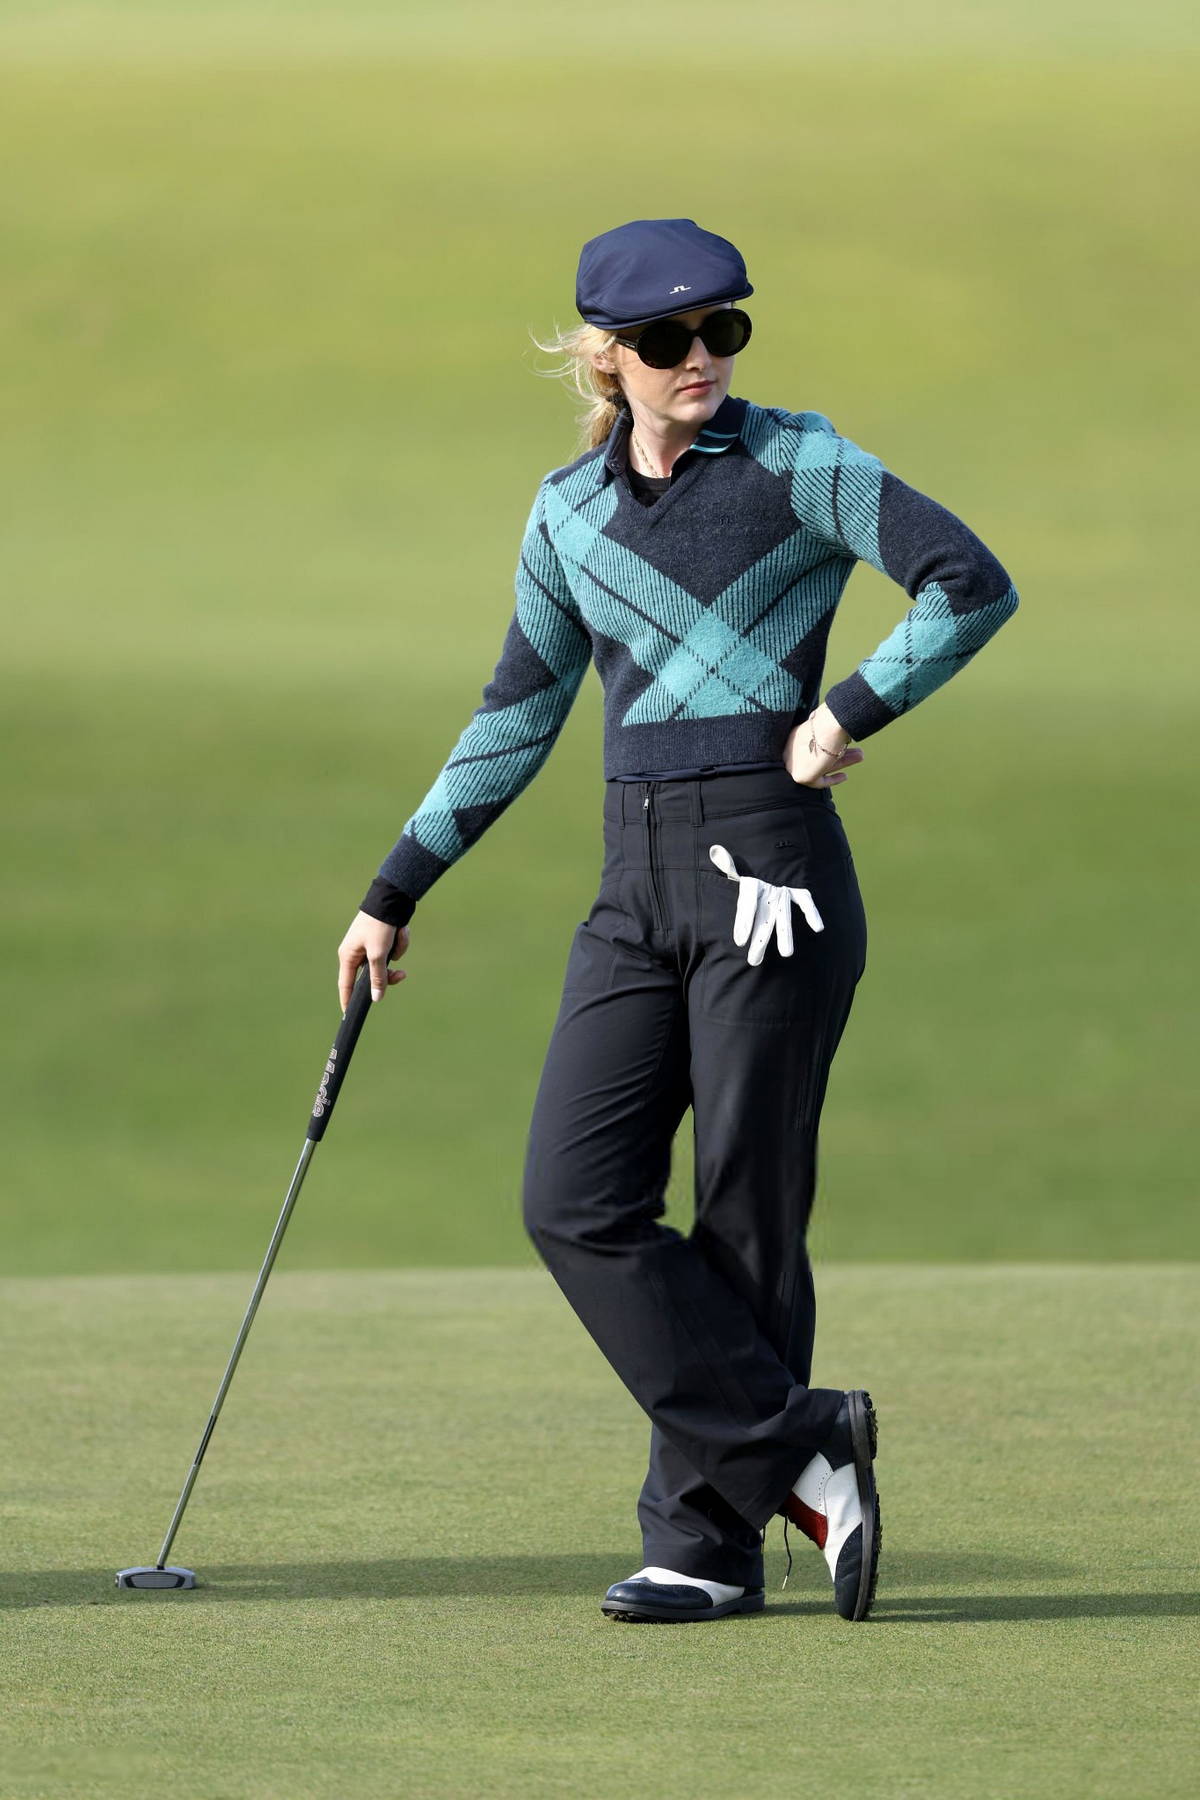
(525, 704)
(960, 593)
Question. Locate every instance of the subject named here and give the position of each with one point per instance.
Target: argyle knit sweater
(706, 615)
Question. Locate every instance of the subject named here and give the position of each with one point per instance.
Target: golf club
(170, 1575)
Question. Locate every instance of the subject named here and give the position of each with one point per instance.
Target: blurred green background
(268, 279)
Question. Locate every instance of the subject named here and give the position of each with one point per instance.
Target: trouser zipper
(656, 907)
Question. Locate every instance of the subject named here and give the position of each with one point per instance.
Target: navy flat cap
(652, 268)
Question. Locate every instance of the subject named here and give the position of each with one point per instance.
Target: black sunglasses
(665, 342)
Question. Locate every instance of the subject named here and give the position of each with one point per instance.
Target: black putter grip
(353, 1020)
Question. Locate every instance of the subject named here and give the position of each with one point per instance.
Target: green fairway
(423, 1482)
(266, 316)
(268, 275)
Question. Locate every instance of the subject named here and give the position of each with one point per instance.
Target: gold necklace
(646, 457)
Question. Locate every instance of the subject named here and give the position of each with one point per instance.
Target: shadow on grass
(434, 1577)
(513, 1577)
(984, 1609)
(904, 1569)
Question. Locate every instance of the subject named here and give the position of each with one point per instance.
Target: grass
(424, 1481)
(284, 29)
(268, 316)
(267, 274)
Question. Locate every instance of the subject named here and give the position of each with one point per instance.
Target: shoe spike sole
(628, 1615)
(865, 1435)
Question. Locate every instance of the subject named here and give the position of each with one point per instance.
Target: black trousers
(712, 1332)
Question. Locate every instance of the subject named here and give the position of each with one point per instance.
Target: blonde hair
(601, 390)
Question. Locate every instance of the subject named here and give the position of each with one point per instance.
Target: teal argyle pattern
(707, 614)
(705, 661)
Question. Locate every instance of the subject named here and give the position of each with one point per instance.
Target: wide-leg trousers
(712, 1331)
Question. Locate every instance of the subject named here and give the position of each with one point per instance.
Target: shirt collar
(721, 433)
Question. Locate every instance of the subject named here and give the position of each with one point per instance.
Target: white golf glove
(763, 909)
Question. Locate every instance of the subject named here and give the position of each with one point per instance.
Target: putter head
(151, 1576)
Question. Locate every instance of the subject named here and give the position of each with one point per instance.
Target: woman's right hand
(373, 942)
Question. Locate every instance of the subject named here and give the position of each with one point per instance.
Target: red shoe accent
(813, 1524)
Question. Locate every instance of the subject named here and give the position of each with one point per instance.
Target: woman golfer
(696, 552)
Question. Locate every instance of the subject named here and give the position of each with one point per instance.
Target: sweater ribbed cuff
(857, 707)
(387, 903)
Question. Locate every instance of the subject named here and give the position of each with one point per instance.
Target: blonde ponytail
(601, 390)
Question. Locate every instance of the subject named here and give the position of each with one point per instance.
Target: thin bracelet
(814, 747)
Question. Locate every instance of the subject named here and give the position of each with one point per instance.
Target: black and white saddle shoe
(665, 1598)
(834, 1502)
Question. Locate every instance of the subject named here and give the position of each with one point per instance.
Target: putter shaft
(336, 1065)
(297, 1182)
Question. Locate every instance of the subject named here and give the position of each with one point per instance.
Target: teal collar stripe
(720, 434)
